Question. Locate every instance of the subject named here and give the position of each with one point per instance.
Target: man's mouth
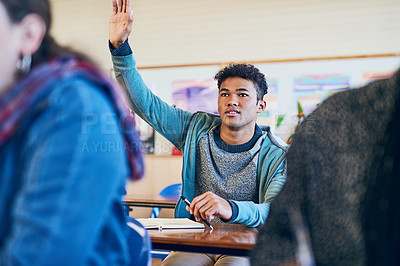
(232, 112)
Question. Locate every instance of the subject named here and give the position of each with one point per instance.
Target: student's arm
(209, 205)
(168, 120)
(73, 180)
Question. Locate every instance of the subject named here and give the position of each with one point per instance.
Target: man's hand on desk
(209, 206)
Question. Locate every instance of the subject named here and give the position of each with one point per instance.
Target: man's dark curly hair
(244, 71)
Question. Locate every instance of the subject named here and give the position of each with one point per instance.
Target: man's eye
(224, 94)
(243, 95)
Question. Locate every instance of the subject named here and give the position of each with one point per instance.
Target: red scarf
(16, 102)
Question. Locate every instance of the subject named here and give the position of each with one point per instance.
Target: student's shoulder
(202, 122)
(80, 94)
(272, 140)
(206, 118)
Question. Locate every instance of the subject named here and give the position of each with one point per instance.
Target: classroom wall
(168, 32)
(161, 171)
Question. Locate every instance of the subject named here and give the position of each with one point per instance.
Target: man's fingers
(125, 6)
(196, 208)
(207, 211)
(200, 197)
(114, 4)
(205, 206)
(119, 5)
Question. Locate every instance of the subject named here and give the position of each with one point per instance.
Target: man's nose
(232, 101)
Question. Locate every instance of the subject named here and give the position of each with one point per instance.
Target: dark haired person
(339, 205)
(232, 168)
(60, 184)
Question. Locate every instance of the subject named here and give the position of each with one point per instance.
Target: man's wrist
(122, 50)
(235, 211)
(116, 44)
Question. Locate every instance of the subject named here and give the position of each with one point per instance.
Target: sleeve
(123, 50)
(169, 121)
(251, 214)
(74, 171)
(235, 211)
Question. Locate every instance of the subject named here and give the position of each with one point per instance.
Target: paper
(167, 223)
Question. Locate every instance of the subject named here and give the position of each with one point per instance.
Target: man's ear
(261, 106)
(32, 31)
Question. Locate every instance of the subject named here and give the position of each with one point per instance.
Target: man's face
(238, 105)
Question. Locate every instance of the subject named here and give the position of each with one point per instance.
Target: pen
(188, 204)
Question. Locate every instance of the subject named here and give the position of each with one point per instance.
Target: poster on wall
(196, 95)
(370, 76)
(311, 90)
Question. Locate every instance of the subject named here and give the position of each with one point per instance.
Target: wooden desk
(158, 202)
(230, 239)
(149, 202)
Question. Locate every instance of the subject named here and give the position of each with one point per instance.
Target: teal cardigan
(185, 129)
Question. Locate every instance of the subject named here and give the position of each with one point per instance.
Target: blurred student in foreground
(339, 205)
(64, 155)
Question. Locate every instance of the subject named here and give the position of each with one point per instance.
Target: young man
(232, 168)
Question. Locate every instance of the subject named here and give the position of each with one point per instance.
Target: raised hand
(208, 206)
(120, 25)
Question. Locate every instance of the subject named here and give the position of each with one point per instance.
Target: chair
(171, 192)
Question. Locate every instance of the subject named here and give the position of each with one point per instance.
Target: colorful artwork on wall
(310, 90)
(370, 76)
(196, 95)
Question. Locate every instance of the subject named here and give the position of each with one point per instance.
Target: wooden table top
(149, 202)
(233, 239)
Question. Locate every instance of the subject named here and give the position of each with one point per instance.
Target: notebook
(169, 223)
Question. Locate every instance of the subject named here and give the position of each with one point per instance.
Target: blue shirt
(62, 177)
